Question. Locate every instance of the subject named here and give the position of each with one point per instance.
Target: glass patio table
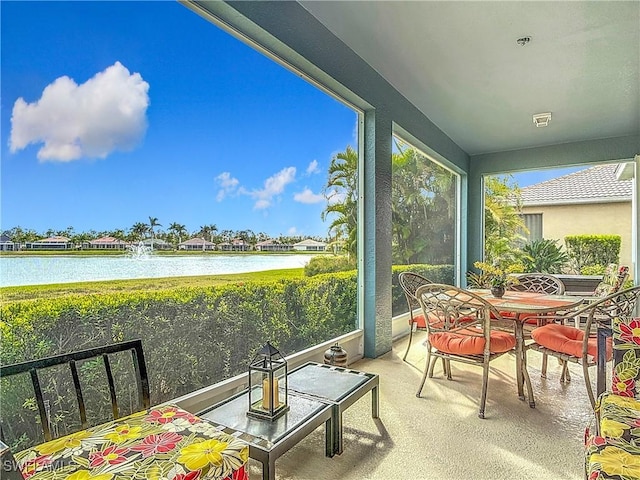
(268, 440)
(525, 305)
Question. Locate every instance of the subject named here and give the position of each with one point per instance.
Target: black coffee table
(339, 387)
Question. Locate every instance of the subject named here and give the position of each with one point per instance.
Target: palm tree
(342, 198)
(153, 222)
(208, 231)
(503, 224)
(178, 230)
(138, 230)
(423, 206)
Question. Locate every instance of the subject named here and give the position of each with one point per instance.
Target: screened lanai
(462, 82)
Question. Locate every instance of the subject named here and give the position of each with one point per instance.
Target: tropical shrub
(544, 256)
(329, 264)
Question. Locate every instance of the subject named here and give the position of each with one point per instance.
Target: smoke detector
(542, 119)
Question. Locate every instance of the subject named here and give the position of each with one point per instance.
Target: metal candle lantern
(268, 384)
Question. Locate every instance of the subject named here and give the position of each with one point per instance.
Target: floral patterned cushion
(164, 442)
(613, 449)
(626, 357)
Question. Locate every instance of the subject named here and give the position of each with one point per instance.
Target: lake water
(41, 270)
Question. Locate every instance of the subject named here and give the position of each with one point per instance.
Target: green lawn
(37, 292)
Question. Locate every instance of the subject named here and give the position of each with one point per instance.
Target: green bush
(328, 264)
(590, 250)
(192, 337)
(544, 256)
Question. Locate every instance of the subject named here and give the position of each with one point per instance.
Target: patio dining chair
(410, 282)
(538, 283)
(461, 329)
(579, 345)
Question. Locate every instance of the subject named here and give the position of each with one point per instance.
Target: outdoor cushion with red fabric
(566, 339)
(466, 342)
(435, 321)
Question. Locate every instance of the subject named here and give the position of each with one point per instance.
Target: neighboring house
(196, 243)
(271, 246)
(106, 243)
(158, 244)
(310, 245)
(596, 200)
(235, 245)
(51, 243)
(7, 245)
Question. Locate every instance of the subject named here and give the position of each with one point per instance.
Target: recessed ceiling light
(522, 41)
(542, 119)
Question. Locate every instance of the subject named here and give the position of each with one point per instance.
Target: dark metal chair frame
(603, 311)
(33, 366)
(459, 311)
(410, 282)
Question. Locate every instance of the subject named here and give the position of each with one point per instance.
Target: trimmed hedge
(590, 250)
(191, 337)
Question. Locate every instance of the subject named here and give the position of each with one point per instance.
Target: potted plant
(495, 277)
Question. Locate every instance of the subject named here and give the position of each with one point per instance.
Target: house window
(533, 222)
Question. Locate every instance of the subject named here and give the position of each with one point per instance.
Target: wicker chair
(579, 345)
(461, 329)
(410, 282)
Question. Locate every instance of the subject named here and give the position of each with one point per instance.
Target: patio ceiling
(459, 63)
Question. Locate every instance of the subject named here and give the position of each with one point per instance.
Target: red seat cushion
(566, 339)
(419, 320)
(433, 320)
(460, 343)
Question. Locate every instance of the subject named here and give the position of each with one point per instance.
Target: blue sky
(114, 112)
(134, 109)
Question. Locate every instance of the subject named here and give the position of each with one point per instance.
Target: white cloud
(227, 183)
(273, 186)
(292, 231)
(313, 167)
(106, 113)
(307, 196)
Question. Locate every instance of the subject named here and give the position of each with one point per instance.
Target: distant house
(271, 246)
(310, 245)
(51, 243)
(197, 243)
(158, 244)
(106, 243)
(7, 245)
(596, 200)
(235, 245)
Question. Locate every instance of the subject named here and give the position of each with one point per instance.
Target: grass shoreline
(40, 292)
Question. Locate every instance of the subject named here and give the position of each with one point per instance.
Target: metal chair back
(32, 367)
(410, 282)
(538, 282)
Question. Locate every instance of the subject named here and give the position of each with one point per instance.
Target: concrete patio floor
(440, 436)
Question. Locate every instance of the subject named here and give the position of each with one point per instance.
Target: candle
(270, 394)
